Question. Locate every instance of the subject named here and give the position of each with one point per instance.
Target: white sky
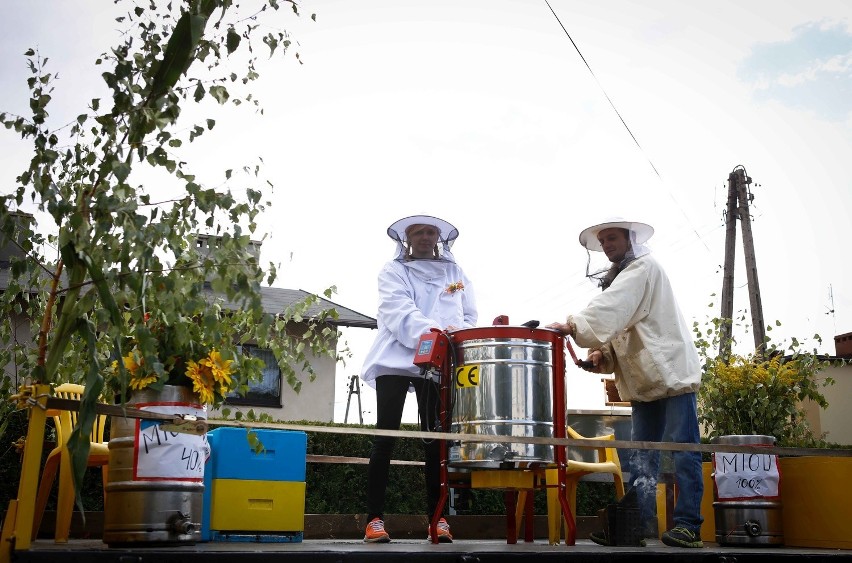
(482, 113)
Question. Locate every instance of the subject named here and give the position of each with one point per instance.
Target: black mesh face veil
(599, 276)
(398, 232)
(604, 277)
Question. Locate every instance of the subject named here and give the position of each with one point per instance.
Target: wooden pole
(758, 326)
(728, 275)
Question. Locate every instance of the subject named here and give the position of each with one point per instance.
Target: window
(265, 392)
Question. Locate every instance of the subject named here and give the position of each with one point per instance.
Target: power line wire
(602, 90)
(632, 136)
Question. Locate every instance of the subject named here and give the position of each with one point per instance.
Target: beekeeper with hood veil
(635, 329)
(420, 289)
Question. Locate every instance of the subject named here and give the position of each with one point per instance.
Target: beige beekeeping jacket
(638, 326)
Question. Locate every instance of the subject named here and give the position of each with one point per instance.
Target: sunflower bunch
(139, 378)
(177, 351)
(210, 376)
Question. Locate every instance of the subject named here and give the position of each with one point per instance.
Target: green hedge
(341, 488)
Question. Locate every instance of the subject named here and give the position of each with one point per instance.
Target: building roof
(275, 300)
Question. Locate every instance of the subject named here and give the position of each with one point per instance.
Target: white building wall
(314, 403)
(836, 420)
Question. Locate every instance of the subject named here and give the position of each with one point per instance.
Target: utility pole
(738, 202)
(757, 323)
(728, 275)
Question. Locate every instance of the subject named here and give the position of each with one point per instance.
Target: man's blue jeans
(673, 419)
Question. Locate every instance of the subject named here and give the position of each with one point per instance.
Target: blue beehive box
(232, 456)
(235, 470)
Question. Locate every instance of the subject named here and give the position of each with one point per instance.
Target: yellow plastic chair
(59, 458)
(607, 462)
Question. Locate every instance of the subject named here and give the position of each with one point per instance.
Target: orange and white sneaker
(444, 535)
(376, 532)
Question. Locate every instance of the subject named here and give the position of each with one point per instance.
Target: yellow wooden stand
(18, 525)
(514, 482)
(815, 500)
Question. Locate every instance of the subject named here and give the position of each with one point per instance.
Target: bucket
(503, 386)
(155, 487)
(748, 521)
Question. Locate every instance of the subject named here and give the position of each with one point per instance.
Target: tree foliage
(122, 256)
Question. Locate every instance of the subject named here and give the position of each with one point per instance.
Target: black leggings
(391, 391)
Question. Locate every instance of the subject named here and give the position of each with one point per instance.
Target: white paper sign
(164, 455)
(746, 475)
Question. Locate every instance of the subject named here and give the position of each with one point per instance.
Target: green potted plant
(759, 394)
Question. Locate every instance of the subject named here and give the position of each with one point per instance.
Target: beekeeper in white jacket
(420, 289)
(635, 330)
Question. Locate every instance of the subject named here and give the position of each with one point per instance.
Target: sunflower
(202, 380)
(220, 369)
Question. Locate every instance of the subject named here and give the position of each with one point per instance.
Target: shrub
(759, 394)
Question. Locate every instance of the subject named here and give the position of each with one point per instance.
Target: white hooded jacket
(638, 326)
(413, 298)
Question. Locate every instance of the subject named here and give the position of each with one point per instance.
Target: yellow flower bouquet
(758, 394)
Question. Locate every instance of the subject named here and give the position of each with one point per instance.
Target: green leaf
(121, 170)
(233, 40)
(220, 93)
(199, 92)
(176, 58)
(271, 42)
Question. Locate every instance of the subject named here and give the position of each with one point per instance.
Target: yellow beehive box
(816, 497)
(257, 506)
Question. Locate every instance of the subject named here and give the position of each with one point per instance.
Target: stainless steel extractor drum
(503, 386)
(755, 521)
(155, 487)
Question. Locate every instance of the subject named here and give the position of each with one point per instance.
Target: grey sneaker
(682, 537)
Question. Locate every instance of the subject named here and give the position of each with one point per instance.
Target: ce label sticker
(467, 376)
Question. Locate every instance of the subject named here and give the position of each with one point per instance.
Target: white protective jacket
(638, 326)
(413, 298)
